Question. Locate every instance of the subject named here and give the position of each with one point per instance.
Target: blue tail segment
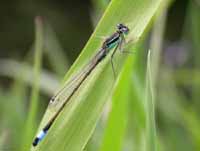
(39, 137)
(42, 133)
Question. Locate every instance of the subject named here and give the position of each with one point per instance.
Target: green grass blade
(30, 123)
(12, 122)
(99, 7)
(157, 44)
(76, 123)
(194, 22)
(117, 121)
(51, 45)
(150, 113)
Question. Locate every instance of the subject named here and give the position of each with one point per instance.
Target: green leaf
(74, 126)
(150, 111)
(117, 121)
(30, 126)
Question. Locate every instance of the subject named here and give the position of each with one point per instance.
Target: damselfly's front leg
(121, 45)
(111, 59)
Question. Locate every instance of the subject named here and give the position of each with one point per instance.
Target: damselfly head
(122, 28)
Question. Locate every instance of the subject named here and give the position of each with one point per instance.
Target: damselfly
(114, 41)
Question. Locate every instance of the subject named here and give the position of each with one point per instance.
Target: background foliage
(155, 101)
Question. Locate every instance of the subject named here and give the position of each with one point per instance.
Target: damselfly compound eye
(122, 28)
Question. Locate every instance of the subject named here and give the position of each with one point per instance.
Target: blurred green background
(67, 25)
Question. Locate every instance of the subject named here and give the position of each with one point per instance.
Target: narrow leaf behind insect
(150, 113)
(117, 121)
(29, 126)
(76, 123)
